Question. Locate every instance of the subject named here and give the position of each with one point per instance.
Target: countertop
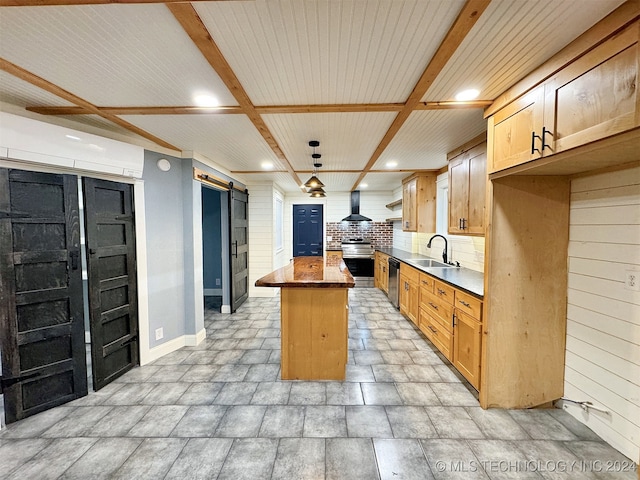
(463, 278)
(310, 272)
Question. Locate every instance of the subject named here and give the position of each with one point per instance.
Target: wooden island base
(314, 317)
(314, 325)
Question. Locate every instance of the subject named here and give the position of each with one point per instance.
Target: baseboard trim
(193, 340)
(165, 349)
(175, 344)
(225, 309)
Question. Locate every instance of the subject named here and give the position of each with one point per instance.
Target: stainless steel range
(358, 254)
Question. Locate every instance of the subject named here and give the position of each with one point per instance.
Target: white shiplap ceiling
(318, 54)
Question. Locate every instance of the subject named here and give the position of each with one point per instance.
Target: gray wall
(163, 196)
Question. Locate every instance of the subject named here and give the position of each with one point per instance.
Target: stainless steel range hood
(355, 209)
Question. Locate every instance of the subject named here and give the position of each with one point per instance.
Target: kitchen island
(314, 316)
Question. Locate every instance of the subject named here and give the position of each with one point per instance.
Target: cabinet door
(403, 295)
(384, 274)
(413, 302)
(514, 131)
(458, 193)
(409, 207)
(596, 96)
(474, 221)
(466, 346)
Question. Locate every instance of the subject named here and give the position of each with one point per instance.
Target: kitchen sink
(429, 263)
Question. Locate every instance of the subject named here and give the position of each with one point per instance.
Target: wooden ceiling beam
(467, 18)
(47, 3)
(193, 25)
(262, 110)
(39, 82)
(138, 110)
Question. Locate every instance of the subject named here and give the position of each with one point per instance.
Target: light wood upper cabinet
(419, 203)
(467, 190)
(597, 95)
(514, 129)
(590, 99)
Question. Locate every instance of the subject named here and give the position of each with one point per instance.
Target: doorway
(215, 247)
(308, 230)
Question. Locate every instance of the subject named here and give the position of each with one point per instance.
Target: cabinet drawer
(438, 308)
(444, 292)
(426, 283)
(411, 273)
(468, 304)
(441, 338)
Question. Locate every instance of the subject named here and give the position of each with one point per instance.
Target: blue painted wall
(212, 240)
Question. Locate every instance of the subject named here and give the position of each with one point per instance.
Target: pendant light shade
(314, 182)
(317, 192)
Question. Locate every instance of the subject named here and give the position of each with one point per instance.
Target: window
(442, 204)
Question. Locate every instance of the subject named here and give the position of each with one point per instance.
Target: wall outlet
(159, 333)
(217, 282)
(632, 280)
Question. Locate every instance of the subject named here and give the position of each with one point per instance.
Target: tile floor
(219, 410)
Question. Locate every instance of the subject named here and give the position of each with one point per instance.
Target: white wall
(603, 317)
(261, 237)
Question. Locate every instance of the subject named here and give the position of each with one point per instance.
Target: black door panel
(239, 232)
(41, 316)
(111, 266)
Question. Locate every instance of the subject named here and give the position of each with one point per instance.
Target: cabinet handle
(435, 307)
(453, 320)
(464, 223)
(544, 132)
(441, 292)
(459, 224)
(533, 143)
(464, 303)
(433, 330)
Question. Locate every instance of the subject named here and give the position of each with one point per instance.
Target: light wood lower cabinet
(381, 272)
(449, 317)
(409, 293)
(467, 335)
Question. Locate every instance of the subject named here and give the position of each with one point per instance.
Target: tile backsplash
(380, 233)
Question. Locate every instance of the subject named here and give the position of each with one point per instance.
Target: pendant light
(314, 184)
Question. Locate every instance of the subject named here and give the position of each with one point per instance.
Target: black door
(307, 230)
(239, 229)
(41, 315)
(111, 267)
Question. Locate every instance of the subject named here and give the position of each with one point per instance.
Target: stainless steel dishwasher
(394, 281)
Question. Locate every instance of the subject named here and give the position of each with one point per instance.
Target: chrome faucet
(444, 252)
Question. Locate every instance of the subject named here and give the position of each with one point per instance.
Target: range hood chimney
(355, 209)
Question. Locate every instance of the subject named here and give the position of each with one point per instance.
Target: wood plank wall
(603, 318)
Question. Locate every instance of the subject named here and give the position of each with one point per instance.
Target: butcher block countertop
(310, 272)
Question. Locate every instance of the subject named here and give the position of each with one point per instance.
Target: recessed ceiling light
(363, 185)
(73, 137)
(392, 164)
(204, 100)
(466, 95)
(267, 165)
